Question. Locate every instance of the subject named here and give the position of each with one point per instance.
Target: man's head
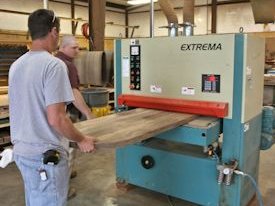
(43, 24)
(69, 46)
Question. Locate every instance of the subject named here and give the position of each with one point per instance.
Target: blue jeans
(51, 192)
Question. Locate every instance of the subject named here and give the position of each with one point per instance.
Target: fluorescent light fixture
(137, 2)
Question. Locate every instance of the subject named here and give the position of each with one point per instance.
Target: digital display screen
(134, 50)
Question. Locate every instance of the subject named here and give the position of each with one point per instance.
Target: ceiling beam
(232, 2)
(117, 6)
(110, 5)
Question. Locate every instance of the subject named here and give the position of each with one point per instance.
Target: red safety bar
(215, 109)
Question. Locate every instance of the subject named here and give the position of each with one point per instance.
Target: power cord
(259, 196)
(170, 200)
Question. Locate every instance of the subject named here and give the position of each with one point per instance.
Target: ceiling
(122, 4)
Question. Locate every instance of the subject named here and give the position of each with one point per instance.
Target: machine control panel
(211, 83)
(135, 67)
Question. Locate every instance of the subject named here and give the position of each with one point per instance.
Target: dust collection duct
(188, 17)
(171, 16)
(173, 25)
(263, 11)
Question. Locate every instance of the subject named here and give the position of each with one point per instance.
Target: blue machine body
(178, 171)
(181, 169)
(202, 136)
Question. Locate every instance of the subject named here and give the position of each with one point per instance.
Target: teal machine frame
(178, 164)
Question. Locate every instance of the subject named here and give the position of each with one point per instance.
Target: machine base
(178, 170)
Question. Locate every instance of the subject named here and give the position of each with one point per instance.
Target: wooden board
(269, 80)
(3, 90)
(4, 100)
(131, 126)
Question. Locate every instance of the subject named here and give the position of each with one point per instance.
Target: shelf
(5, 144)
(3, 90)
(5, 139)
(110, 90)
(4, 125)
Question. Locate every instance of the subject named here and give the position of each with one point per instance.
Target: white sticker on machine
(187, 91)
(155, 89)
(125, 67)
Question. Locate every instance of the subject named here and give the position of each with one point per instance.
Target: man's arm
(58, 119)
(81, 105)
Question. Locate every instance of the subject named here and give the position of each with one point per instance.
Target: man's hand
(87, 144)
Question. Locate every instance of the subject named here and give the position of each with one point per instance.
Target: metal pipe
(173, 29)
(214, 17)
(126, 24)
(152, 19)
(45, 4)
(73, 15)
(90, 10)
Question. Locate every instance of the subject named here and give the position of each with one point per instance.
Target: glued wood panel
(132, 126)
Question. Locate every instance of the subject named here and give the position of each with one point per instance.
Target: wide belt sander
(218, 80)
(198, 103)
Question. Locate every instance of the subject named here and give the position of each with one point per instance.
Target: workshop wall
(229, 20)
(231, 17)
(9, 21)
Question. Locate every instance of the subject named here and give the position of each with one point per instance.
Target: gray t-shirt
(36, 80)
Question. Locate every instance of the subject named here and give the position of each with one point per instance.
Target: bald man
(68, 50)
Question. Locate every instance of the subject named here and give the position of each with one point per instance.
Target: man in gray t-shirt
(39, 90)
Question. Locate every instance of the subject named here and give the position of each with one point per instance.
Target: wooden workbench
(131, 126)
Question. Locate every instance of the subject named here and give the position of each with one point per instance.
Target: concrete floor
(95, 184)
